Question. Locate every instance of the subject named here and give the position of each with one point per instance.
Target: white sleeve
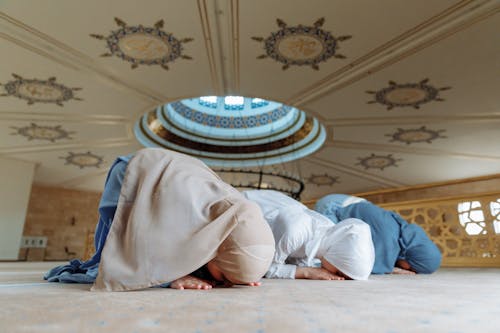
(290, 236)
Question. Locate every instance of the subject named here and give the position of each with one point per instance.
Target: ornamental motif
(39, 91)
(83, 160)
(320, 180)
(301, 45)
(413, 135)
(377, 161)
(49, 133)
(141, 45)
(230, 122)
(407, 94)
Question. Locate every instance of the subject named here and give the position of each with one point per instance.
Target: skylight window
(234, 102)
(210, 101)
(258, 102)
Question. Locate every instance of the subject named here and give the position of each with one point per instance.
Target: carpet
(451, 300)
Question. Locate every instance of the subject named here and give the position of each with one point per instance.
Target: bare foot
(398, 270)
(190, 282)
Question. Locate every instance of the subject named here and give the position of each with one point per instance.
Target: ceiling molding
(63, 117)
(384, 121)
(452, 20)
(103, 143)
(216, 69)
(407, 150)
(363, 174)
(35, 41)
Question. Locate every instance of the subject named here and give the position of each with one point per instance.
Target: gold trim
(169, 136)
(385, 121)
(231, 158)
(235, 42)
(406, 150)
(207, 33)
(430, 185)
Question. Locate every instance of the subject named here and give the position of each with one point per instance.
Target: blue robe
(86, 272)
(393, 237)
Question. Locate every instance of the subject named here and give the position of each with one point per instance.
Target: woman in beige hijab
(168, 219)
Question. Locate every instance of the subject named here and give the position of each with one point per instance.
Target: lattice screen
(466, 229)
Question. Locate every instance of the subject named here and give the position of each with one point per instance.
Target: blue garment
(393, 237)
(86, 272)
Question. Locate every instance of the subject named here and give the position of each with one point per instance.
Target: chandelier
(265, 178)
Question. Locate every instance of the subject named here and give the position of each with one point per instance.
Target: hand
(254, 284)
(402, 271)
(316, 273)
(190, 282)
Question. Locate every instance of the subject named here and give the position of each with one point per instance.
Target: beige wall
(64, 217)
(15, 179)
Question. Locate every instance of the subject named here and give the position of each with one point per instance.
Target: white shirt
(297, 231)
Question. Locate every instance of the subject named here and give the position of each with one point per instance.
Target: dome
(232, 131)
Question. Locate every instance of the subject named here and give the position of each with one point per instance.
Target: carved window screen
(466, 229)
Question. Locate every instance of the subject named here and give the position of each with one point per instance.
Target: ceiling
(408, 91)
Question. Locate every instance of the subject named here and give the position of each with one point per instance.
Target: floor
(452, 300)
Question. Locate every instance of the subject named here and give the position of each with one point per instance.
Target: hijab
(173, 215)
(348, 246)
(393, 237)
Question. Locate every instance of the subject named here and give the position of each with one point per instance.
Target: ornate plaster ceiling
(407, 90)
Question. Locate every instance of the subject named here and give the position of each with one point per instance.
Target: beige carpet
(451, 300)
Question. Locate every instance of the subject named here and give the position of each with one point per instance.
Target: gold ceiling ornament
(39, 91)
(378, 161)
(322, 180)
(413, 135)
(301, 45)
(83, 160)
(36, 132)
(141, 45)
(407, 94)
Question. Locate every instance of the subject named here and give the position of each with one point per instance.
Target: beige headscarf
(173, 215)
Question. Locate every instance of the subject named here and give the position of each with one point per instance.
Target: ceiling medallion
(49, 133)
(42, 91)
(301, 45)
(320, 180)
(407, 94)
(83, 160)
(143, 45)
(377, 161)
(413, 135)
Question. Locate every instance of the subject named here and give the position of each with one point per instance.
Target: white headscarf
(349, 247)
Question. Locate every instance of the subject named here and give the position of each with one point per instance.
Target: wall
(64, 217)
(15, 179)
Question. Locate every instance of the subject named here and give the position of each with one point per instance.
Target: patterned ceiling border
(83, 160)
(37, 132)
(407, 94)
(301, 45)
(141, 45)
(322, 180)
(415, 135)
(378, 161)
(39, 91)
